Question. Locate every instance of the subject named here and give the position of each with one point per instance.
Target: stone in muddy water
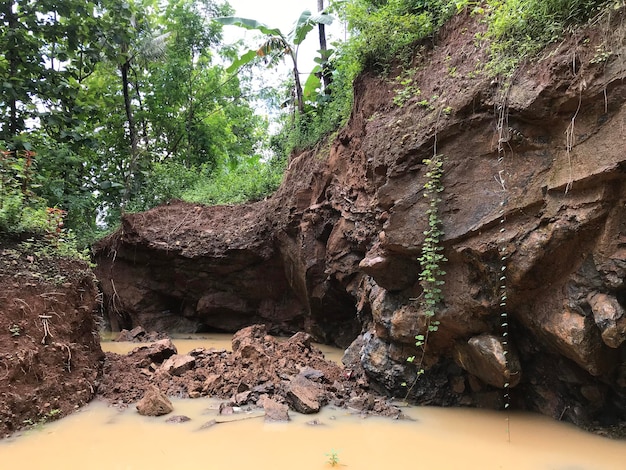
(154, 403)
(208, 424)
(226, 409)
(241, 398)
(138, 332)
(303, 395)
(610, 317)
(137, 335)
(160, 350)
(178, 419)
(274, 411)
(365, 402)
(178, 364)
(484, 356)
(123, 336)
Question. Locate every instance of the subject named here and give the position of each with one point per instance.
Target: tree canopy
(103, 95)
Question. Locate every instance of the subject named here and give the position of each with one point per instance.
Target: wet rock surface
(139, 335)
(534, 186)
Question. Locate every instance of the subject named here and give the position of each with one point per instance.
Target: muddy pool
(103, 437)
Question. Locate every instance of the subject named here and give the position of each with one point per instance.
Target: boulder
(160, 350)
(610, 317)
(154, 403)
(577, 337)
(304, 395)
(274, 411)
(493, 362)
(178, 364)
(253, 334)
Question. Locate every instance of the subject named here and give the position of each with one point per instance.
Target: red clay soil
(50, 355)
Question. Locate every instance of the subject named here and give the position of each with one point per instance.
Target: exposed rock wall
(534, 173)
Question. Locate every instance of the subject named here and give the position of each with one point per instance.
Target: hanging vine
(431, 259)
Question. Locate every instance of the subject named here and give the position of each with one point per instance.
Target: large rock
(304, 395)
(154, 403)
(610, 317)
(488, 358)
(160, 350)
(178, 364)
(274, 411)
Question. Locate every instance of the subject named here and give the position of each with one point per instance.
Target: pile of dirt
(293, 372)
(50, 356)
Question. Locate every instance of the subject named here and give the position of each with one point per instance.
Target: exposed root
(6, 372)
(46, 328)
(23, 302)
(570, 139)
(68, 364)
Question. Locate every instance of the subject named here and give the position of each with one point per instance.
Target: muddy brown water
(102, 437)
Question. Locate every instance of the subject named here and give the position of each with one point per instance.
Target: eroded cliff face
(533, 208)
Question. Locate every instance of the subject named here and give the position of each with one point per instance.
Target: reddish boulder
(154, 403)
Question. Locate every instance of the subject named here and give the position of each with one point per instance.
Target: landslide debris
(260, 371)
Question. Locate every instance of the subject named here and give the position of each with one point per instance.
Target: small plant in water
(333, 458)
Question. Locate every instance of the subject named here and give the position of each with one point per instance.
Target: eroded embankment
(533, 204)
(50, 356)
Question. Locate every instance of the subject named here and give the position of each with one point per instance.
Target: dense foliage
(119, 105)
(387, 33)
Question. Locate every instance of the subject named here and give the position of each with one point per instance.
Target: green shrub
(24, 214)
(249, 181)
(518, 29)
(164, 181)
(384, 31)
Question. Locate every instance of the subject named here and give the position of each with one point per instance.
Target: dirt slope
(50, 356)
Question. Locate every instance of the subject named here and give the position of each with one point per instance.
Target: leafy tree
(45, 53)
(108, 93)
(277, 44)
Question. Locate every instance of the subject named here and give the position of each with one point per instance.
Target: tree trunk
(13, 58)
(132, 132)
(298, 85)
(326, 73)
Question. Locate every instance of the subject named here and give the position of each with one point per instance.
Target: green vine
(431, 258)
